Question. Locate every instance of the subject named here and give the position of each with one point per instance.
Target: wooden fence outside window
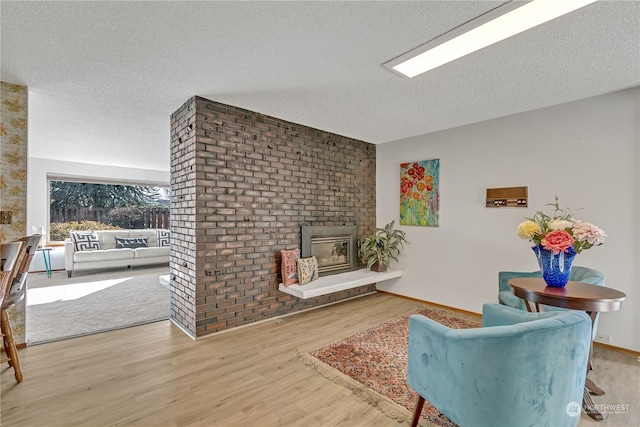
(128, 218)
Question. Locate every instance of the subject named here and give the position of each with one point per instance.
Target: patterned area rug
(373, 364)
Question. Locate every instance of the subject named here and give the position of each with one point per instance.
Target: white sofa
(108, 256)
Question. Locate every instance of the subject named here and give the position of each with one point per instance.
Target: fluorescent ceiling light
(499, 24)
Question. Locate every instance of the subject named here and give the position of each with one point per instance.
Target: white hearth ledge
(338, 282)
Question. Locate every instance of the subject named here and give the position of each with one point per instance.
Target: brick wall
(183, 259)
(243, 184)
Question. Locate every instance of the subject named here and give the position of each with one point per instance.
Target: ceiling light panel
(497, 25)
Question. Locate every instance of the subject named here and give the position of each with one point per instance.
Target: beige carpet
(93, 302)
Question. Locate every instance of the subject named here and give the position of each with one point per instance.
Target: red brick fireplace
(243, 184)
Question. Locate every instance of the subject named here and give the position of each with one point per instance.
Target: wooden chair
(9, 255)
(31, 245)
(12, 254)
(15, 293)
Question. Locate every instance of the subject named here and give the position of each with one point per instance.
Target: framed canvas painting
(420, 193)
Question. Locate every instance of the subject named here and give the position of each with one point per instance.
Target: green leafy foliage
(78, 194)
(60, 230)
(383, 246)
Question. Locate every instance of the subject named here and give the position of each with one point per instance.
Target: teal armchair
(505, 296)
(519, 369)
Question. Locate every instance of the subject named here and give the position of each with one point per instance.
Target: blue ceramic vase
(555, 268)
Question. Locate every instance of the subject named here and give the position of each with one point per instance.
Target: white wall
(39, 169)
(586, 152)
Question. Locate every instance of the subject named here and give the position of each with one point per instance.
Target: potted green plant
(378, 250)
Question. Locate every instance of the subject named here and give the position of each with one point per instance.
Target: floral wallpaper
(13, 177)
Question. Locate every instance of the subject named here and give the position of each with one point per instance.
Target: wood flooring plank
(155, 375)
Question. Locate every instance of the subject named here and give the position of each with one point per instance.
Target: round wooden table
(575, 296)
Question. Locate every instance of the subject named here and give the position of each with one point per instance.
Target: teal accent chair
(519, 369)
(578, 274)
(505, 296)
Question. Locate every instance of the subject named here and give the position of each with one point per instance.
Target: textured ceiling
(104, 77)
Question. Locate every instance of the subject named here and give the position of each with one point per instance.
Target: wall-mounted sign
(507, 197)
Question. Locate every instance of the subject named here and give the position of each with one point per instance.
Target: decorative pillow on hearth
(289, 266)
(131, 242)
(307, 270)
(85, 240)
(163, 237)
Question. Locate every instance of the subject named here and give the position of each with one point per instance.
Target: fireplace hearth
(334, 246)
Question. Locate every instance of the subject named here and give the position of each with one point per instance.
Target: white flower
(559, 224)
(586, 232)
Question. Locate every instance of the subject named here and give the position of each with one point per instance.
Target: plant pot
(379, 268)
(555, 268)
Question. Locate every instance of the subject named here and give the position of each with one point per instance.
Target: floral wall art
(420, 193)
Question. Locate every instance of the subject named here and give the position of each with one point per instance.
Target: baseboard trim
(617, 349)
(183, 329)
(421, 301)
(276, 318)
(44, 271)
(18, 346)
(471, 313)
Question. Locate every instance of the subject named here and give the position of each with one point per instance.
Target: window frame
(89, 180)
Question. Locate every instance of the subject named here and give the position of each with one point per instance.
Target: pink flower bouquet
(560, 232)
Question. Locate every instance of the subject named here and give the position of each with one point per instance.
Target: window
(78, 205)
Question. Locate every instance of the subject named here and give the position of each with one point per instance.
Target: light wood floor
(154, 375)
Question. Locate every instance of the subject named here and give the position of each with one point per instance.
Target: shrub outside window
(96, 206)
